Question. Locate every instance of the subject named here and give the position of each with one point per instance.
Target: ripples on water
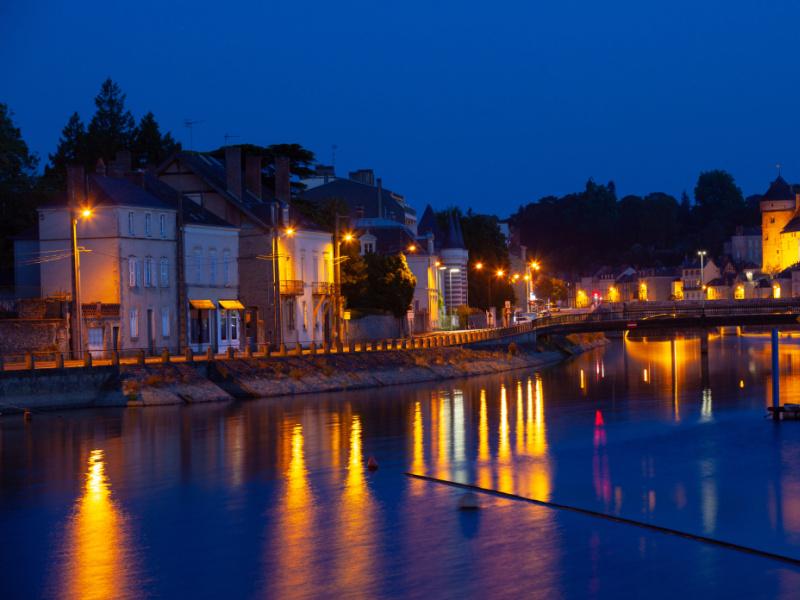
(272, 498)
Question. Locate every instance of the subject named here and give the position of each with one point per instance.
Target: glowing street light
(84, 213)
(348, 237)
(289, 231)
(412, 248)
(478, 266)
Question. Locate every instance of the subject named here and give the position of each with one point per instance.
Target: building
(744, 247)
(384, 236)
(127, 263)
(656, 285)
(780, 227)
(694, 279)
(364, 195)
(453, 256)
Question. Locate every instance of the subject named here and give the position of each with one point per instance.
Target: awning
(202, 304)
(231, 304)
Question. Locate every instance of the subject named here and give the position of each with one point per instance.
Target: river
(272, 498)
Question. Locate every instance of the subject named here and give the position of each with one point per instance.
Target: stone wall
(18, 336)
(373, 327)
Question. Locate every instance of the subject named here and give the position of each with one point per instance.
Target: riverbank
(247, 378)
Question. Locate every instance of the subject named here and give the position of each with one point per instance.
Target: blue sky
(483, 105)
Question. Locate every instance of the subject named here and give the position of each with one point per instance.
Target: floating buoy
(469, 501)
(372, 464)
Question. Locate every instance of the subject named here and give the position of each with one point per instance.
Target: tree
(17, 163)
(376, 282)
(17, 179)
(71, 150)
(112, 127)
(719, 207)
(149, 146)
(550, 288)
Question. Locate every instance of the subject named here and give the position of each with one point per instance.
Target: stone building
(780, 227)
(127, 262)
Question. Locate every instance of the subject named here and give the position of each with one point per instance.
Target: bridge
(671, 316)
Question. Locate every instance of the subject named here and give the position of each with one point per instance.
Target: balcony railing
(291, 287)
(323, 288)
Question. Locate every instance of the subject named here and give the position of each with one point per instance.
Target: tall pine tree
(112, 127)
(149, 146)
(71, 150)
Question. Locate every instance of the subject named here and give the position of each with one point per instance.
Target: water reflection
(99, 560)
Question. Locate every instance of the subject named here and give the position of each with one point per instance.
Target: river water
(272, 498)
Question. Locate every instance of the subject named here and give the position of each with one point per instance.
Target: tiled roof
(193, 213)
(779, 190)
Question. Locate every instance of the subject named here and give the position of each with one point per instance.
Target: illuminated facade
(780, 227)
(128, 256)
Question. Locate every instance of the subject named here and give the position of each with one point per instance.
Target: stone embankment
(242, 378)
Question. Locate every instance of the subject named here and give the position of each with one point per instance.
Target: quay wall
(258, 377)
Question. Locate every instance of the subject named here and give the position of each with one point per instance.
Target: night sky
(484, 105)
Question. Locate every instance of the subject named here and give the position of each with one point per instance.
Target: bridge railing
(710, 308)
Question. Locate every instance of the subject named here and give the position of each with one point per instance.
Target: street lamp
(337, 272)
(440, 285)
(702, 254)
(76, 215)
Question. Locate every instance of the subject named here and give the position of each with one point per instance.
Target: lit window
(148, 271)
(164, 271)
(165, 322)
(148, 224)
(132, 271)
(162, 225)
(131, 229)
(134, 322)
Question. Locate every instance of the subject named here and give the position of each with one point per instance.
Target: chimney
(100, 167)
(76, 185)
(252, 175)
(366, 176)
(380, 198)
(283, 188)
(233, 170)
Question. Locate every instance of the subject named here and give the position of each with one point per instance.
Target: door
(95, 339)
(115, 338)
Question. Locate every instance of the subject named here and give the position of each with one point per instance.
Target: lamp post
(440, 285)
(338, 238)
(702, 254)
(75, 216)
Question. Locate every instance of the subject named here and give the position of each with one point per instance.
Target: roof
(454, 237)
(429, 224)
(360, 195)
(115, 191)
(193, 213)
(212, 170)
(791, 226)
(779, 190)
(390, 240)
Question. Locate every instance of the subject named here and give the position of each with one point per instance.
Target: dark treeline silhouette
(579, 232)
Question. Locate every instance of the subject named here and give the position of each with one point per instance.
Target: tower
(778, 207)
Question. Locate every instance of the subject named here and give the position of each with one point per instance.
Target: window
(164, 271)
(95, 338)
(148, 271)
(162, 225)
(290, 314)
(223, 325)
(212, 267)
(226, 267)
(134, 318)
(164, 322)
(148, 225)
(198, 265)
(305, 315)
(132, 271)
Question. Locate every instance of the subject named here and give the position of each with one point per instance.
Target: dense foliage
(18, 200)
(582, 231)
(377, 283)
(111, 129)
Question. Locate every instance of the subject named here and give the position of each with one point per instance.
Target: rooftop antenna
(334, 148)
(229, 137)
(189, 124)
